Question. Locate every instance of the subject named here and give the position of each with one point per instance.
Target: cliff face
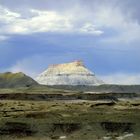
(74, 73)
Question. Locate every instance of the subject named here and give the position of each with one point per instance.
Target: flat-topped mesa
(76, 67)
(72, 64)
(74, 73)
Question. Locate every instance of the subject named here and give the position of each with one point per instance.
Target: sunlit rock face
(74, 73)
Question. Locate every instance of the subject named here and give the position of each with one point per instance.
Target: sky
(105, 34)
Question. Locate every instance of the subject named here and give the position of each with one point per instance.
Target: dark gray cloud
(132, 7)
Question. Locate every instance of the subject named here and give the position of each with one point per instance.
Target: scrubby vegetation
(68, 119)
(48, 113)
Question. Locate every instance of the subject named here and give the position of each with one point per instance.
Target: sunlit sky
(105, 34)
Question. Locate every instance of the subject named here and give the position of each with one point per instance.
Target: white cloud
(42, 21)
(78, 19)
(121, 78)
(90, 29)
(7, 16)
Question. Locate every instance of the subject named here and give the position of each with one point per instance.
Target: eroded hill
(14, 80)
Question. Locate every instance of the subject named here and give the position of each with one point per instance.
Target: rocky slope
(74, 73)
(12, 80)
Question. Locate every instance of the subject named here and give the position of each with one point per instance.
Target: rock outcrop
(74, 73)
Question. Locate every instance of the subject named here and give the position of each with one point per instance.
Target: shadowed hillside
(13, 80)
